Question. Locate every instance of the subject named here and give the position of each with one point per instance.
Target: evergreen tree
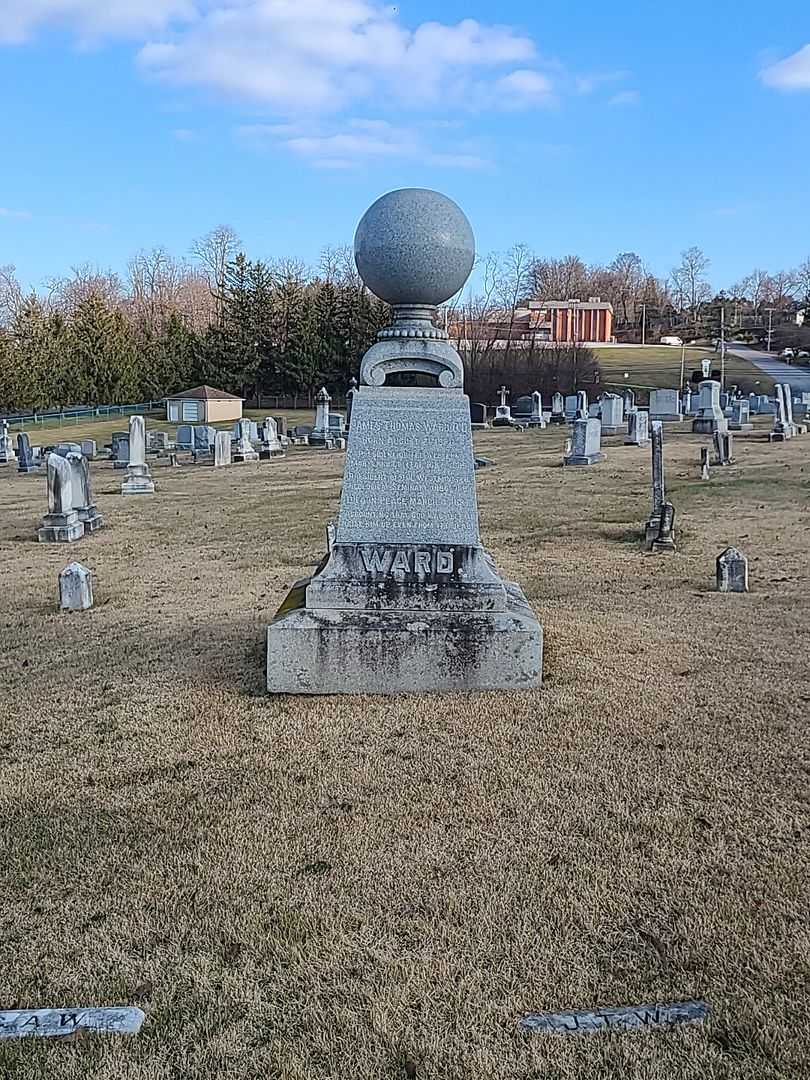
(99, 347)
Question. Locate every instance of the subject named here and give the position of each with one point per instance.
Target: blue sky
(586, 128)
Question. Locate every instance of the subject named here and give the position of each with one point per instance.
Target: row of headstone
(71, 509)
(784, 426)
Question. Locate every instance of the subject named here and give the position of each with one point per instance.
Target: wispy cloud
(792, 73)
(587, 84)
(356, 143)
(90, 20)
(625, 97)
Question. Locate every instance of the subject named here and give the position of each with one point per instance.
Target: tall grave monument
(407, 599)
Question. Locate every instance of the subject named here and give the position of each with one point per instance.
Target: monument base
(27, 468)
(583, 459)
(740, 427)
(138, 485)
(708, 425)
(90, 518)
(778, 436)
(60, 528)
(669, 418)
(333, 651)
(241, 458)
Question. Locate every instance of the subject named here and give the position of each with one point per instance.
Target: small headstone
(629, 397)
(157, 441)
(585, 442)
(781, 428)
(582, 406)
(271, 444)
(537, 419)
(627, 1018)
(732, 571)
(570, 406)
(665, 540)
(478, 415)
(7, 454)
(222, 449)
(321, 433)
(723, 448)
(281, 425)
(704, 463)
(612, 414)
(244, 450)
(138, 480)
(120, 449)
(557, 409)
(184, 438)
(117, 1020)
(638, 428)
(61, 524)
(75, 588)
(740, 416)
(89, 449)
(349, 402)
(25, 458)
(65, 448)
(665, 405)
(522, 408)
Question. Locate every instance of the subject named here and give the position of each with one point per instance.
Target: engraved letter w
(376, 561)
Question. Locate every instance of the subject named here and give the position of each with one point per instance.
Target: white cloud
(792, 73)
(625, 97)
(524, 88)
(90, 19)
(322, 55)
(357, 143)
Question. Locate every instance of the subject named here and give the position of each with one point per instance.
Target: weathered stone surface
(271, 445)
(61, 524)
(557, 409)
(75, 588)
(586, 440)
(732, 571)
(478, 415)
(582, 411)
(222, 449)
(723, 448)
(665, 405)
(503, 412)
(626, 1018)
(407, 600)
(7, 454)
(322, 431)
(244, 450)
(710, 417)
(89, 449)
(118, 1020)
(638, 428)
(536, 419)
(740, 416)
(138, 480)
(409, 469)
(414, 246)
(83, 502)
(657, 451)
(25, 458)
(612, 414)
(664, 541)
(705, 474)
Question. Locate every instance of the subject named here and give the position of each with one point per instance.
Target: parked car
(787, 355)
(671, 340)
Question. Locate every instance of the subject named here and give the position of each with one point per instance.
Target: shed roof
(204, 393)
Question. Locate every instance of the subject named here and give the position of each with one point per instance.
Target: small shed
(203, 405)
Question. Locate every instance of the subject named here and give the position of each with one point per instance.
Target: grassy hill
(660, 365)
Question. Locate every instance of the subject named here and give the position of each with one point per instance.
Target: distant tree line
(243, 326)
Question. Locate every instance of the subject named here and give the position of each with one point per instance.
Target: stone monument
(75, 588)
(7, 454)
(138, 480)
(612, 414)
(503, 412)
(271, 444)
(710, 416)
(665, 405)
(83, 502)
(652, 525)
(557, 408)
(732, 571)
(638, 428)
(222, 449)
(61, 524)
(585, 442)
(321, 434)
(741, 416)
(25, 456)
(664, 541)
(407, 600)
(244, 450)
(537, 420)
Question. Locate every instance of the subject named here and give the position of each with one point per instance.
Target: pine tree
(99, 347)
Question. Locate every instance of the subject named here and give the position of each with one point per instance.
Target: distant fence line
(271, 402)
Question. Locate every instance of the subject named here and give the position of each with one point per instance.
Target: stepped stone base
(138, 485)
(709, 426)
(60, 529)
(91, 519)
(333, 651)
(583, 459)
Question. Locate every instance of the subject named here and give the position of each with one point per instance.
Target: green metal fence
(64, 416)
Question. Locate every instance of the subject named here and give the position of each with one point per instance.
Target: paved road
(778, 370)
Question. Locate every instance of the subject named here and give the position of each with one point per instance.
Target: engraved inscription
(398, 561)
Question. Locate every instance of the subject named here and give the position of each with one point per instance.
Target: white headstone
(222, 448)
(75, 588)
(586, 437)
(61, 524)
(138, 480)
(665, 405)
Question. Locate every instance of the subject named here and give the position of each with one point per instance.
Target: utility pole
(643, 324)
(723, 346)
(770, 327)
(683, 362)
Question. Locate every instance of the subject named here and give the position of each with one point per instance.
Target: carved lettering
(400, 560)
(376, 561)
(444, 562)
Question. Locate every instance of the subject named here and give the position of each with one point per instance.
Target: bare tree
(11, 294)
(514, 285)
(560, 279)
(155, 279)
(689, 278)
(214, 251)
(803, 280)
(66, 293)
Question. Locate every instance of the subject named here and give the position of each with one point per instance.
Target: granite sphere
(414, 246)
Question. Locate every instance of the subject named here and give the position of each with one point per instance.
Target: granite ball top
(414, 246)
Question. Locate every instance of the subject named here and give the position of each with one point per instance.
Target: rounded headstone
(414, 246)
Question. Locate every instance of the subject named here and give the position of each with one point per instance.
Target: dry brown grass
(373, 888)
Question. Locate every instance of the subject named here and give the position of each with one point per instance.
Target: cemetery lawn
(660, 365)
(377, 889)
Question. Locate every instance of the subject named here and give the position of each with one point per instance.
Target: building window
(191, 411)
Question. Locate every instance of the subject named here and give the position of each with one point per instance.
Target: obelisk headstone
(321, 434)
(7, 454)
(537, 420)
(652, 524)
(408, 599)
(138, 480)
